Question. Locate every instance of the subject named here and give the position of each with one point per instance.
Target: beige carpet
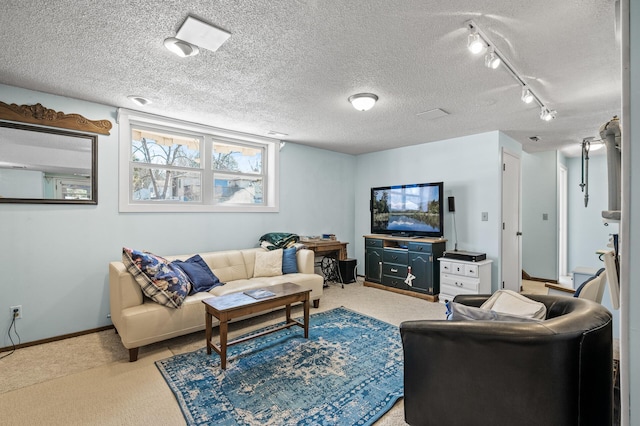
(88, 380)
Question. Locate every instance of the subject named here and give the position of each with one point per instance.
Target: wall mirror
(45, 165)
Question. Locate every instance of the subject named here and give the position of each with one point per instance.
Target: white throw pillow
(268, 263)
(512, 303)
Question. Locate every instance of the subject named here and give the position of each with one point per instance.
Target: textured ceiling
(289, 66)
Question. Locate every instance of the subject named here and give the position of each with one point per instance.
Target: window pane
(74, 189)
(163, 184)
(154, 147)
(236, 190)
(237, 158)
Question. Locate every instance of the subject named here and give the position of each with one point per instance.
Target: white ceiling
(289, 66)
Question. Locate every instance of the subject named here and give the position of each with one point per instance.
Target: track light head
(527, 96)
(180, 47)
(546, 114)
(491, 60)
(475, 44)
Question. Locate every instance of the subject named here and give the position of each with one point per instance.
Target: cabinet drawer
(445, 297)
(393, 281)
(395, 256)
(420, 247)
(445, 267)
(368, 242)
(461, 283)
(471, 270)
(452, 291)
(394, 270)
(457, 268)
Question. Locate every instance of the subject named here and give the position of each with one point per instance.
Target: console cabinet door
(422, 267)
(373, 265)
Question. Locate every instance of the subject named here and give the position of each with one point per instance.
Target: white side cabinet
(462, 277)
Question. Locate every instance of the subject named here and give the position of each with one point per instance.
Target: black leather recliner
(472, 373)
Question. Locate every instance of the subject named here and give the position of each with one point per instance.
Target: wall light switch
(545, 216)
(485, 216)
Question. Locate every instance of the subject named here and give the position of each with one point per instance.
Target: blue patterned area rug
(349, 372)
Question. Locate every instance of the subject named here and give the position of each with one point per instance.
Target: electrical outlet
(16, 310)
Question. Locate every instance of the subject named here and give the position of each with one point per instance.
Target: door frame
(505, 151)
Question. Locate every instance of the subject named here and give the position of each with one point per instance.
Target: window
(171, 166)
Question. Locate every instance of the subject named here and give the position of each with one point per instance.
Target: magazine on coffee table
(259, 293)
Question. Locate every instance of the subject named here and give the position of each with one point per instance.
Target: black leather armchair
(471, 373)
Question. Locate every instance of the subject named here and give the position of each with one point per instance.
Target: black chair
(554, 372)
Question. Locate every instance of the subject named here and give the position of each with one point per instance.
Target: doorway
(511, 264)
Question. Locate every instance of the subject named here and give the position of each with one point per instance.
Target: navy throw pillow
(289, 261)
(202, 278)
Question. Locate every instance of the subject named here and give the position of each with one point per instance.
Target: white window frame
(127, 119)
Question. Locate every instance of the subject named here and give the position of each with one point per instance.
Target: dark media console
(388, 261)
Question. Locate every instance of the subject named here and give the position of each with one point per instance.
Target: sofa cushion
(228, 265)
(201, 277)
(162, 282)
(511, 303)
(289, 261)
(268, 263)
(461, 312)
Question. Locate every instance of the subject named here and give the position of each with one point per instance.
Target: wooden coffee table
(235, 305)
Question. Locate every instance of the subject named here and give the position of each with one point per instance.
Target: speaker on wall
(452, 204)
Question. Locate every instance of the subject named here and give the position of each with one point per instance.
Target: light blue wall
(586, 230)
(634, 212)
(470, 169)
(55, 258)
(539, 197)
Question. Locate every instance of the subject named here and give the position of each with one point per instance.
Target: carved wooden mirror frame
(66, 145)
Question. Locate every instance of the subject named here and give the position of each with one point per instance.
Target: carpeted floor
(88, 380)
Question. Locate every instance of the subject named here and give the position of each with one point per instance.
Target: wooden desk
(325, 247)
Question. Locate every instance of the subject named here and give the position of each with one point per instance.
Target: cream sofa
(139, 321)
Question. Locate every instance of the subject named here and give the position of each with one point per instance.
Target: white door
(511, 269)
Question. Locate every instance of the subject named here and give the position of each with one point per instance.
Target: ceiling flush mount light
(477, 41)
(181, 47)
(546, 114)
(363, 101)
(491, 60)
(139, 100)
(526, 97)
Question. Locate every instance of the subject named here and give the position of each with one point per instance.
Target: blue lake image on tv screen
(406, 223)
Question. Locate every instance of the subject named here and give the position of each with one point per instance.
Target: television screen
(408, 210)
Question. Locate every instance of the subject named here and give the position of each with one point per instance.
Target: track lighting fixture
(526, 97)
(477, 42)
(546, 114)
(180, 47)
(491, 60)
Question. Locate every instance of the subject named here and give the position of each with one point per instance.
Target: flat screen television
(408, 210)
